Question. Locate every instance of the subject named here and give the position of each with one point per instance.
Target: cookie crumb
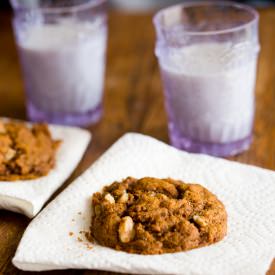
(71, 234)
(84, 237)
(88, 246)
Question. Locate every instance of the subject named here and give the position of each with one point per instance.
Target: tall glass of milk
(62, 46)
(207, 52)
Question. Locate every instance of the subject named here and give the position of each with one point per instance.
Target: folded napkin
(53, 241)
(29, 196)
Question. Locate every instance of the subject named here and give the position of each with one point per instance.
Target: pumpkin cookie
(25, 152)
(155, 216)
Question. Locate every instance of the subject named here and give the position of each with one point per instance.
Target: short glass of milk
(207, 52)
(62, 47)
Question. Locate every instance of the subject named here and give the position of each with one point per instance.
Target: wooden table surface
(133, 102)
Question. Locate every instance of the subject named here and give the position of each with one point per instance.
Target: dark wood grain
(133, 102)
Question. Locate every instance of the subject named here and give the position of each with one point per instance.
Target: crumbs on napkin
(83, 238)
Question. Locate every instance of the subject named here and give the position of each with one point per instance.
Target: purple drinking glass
(207, 52)
(62, 47)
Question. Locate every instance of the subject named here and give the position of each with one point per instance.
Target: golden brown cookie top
(25, 152)
(155, 216)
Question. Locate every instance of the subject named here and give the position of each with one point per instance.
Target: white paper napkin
(29, 196)
(247, 192)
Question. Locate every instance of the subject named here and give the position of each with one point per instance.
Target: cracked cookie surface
(155, 216)
(25, 152)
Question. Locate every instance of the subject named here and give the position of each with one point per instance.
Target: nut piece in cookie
(126, 230)
(2, 128)
(108, 197)
(155, 216)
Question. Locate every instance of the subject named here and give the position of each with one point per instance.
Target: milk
(210, 91)
(63, 65)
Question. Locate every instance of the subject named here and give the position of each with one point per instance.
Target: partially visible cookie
(25, 152)
(155, 216)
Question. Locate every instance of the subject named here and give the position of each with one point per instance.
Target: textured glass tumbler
(207, 52)
(62, 47)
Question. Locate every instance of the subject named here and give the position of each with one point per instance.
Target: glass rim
(247, 8)
(70, 9)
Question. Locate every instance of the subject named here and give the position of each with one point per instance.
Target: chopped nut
(162, 196)
(79, 239)
(108, 197)
(199, 220)
(97, 210)
(10, 154)
(2, 128)
(126, 230)
(124, 197)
